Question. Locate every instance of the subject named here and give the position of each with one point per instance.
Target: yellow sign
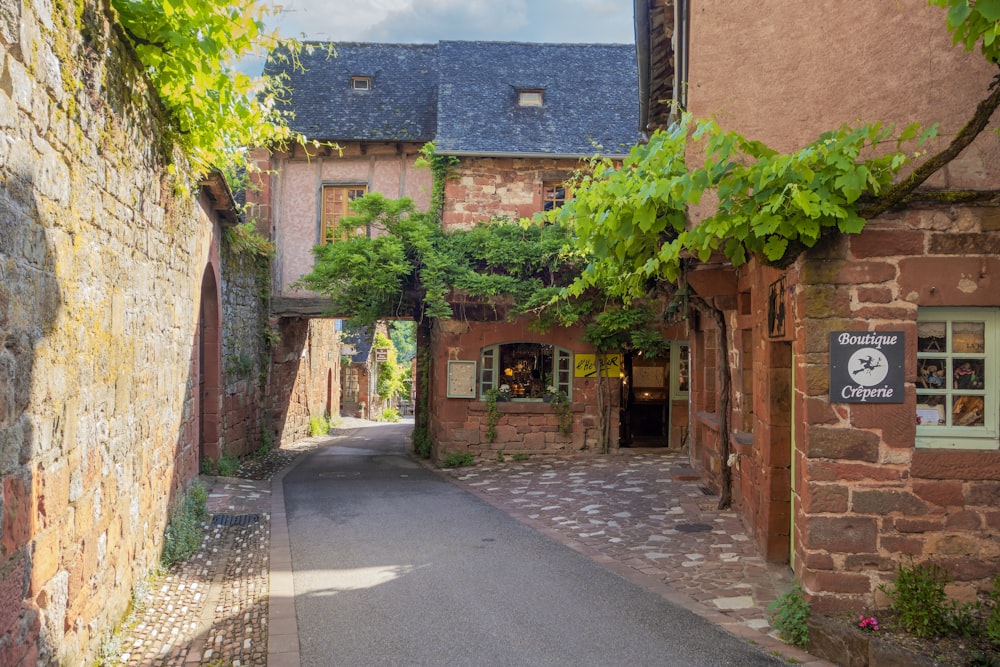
(586, 365)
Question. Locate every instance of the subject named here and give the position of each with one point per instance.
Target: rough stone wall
(866, 497)
(305, 376)
(459, 424)
(101, 270)
(483, 188)
(245, 355)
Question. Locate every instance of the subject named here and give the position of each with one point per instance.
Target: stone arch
(209, 368)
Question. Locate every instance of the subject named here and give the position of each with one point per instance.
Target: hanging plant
(492, 414)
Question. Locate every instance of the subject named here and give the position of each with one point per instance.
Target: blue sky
(422, 21)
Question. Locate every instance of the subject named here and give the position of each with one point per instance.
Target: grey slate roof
(401, 105)
(464, 96)
(590, 97)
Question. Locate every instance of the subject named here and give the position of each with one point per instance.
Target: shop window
(336, 206)
(527, 369)
(957, 371)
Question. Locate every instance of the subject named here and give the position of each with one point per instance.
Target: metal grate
(707, 491)
(234, 519)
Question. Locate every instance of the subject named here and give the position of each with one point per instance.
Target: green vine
(492, 414)
(563, 410)
(441, 167)
(244, 239)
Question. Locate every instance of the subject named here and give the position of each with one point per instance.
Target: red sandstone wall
(458, 424)
(866, 498)
(305, 377)
(482, 188)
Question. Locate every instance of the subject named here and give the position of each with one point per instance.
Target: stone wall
(867, 497)
(305, 376)
(246, 355)
(102, 267)
(459, 424)
(483, 188)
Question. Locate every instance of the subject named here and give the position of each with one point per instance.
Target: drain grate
(707, 491)
(234, 519)
(692, 527)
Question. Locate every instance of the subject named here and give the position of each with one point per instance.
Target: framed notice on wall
(461, 379)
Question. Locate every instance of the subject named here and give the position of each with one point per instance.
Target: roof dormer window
(361, 83)
(529, 97)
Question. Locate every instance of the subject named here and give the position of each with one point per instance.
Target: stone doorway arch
(209, 368)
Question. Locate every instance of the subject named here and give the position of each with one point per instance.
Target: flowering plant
(868, 623)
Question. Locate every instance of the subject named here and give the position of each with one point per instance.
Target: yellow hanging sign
(586, 365)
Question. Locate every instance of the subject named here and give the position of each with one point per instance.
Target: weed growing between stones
(790, 616)
(319, 426)
(186, 526)
(389, 415)
(458, 460)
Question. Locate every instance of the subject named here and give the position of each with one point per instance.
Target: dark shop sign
(866, 366)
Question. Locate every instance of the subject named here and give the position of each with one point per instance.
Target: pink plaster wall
(783, 71)
(295, 200)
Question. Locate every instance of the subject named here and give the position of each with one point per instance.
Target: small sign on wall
(461, 379)
(867, 366)
(586, 365)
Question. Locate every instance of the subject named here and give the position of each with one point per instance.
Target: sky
(427, 21)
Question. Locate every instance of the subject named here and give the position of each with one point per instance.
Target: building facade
(865, 415)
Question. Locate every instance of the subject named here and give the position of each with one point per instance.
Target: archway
(209, 369)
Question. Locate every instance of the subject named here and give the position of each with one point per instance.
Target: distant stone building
(518, 118)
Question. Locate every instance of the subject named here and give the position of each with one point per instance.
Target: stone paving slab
(648, 517)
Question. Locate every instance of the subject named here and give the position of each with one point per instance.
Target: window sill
(522, 407)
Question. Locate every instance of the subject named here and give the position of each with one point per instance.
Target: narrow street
(394, 565)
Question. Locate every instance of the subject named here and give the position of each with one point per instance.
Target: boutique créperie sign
(867, 366)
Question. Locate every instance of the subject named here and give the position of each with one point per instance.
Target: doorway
(209, 369)
(654, 398)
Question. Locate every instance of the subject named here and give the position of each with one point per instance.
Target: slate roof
(464, 96)
(401, 105)
(591, 96)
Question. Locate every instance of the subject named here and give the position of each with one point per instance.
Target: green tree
(404, 336)
(190, 52)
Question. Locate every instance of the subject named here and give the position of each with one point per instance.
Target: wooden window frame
(949, 436)
(329, 218)
(361, 83)
(491, 376)
(530, 97)
(555, 202)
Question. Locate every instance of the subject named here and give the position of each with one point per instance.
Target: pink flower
(869, 623)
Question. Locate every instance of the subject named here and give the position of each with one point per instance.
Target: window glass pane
(931, 336)
(967, 411)
(968, 374)
(930, 411)
(487, 368)
(682, 369)
(932, 373)
(968, 337)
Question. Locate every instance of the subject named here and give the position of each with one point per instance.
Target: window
(529, 98)
(528, 369)
(352, 383)
(957, 398)
(554, 195)
(336, 205)
(679, 364)
(361, 83)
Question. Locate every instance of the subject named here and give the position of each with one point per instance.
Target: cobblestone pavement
(643, 515)
(648, 517)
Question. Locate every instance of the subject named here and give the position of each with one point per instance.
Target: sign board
(867, 366)
(381, 354)
(585, 365)
(461, 379)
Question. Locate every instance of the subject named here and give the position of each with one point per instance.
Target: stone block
(903, 544)
(846, 534)
(837, 582)
(842, 443)
(983, 494)
(886, 243)
(964, 520)
(918, 525)
(883, 503)
(824, 498)
(955, 464)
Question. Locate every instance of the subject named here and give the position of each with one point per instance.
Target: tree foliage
(633, 219)
(973, 22)
(190, 50)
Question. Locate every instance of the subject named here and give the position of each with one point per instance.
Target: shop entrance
(654, 398)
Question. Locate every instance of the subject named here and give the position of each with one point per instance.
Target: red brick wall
(459, 424)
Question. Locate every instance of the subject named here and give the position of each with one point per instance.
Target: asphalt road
(394, 565)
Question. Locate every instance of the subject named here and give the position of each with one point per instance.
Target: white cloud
(433, 20)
